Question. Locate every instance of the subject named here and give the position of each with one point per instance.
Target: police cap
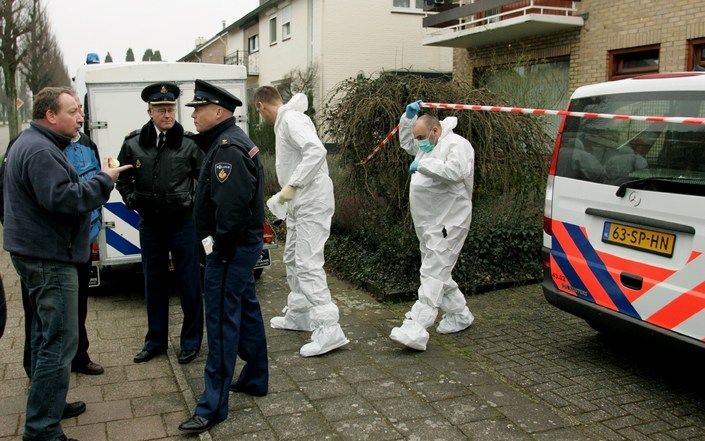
(207, 93)
(161, 93)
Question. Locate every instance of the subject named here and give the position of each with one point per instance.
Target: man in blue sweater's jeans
(47, 218)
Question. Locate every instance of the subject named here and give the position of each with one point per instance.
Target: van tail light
(95, 252)
(548, 202)
(267, 234)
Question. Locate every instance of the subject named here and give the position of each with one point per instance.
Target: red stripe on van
(681, 309)
(559, 278)
(652, 275)
(693, 255)
(581, 267)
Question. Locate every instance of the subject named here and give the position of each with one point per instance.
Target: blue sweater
(47, 210)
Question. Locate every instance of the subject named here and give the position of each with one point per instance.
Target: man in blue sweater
(47, 218)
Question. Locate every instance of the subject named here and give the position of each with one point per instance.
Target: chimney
(223, 24)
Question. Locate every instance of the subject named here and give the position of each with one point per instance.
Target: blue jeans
(156, 241)
(53, 292)
(235, 328)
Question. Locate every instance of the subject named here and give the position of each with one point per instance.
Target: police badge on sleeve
(222, 171)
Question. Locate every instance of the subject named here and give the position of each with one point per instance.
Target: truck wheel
(258, 273)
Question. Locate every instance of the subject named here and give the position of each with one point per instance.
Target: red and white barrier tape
(529, 111)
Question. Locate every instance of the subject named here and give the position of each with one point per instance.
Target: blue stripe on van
(121, 244)
(573, 278)
(599, 269)
(120, 210)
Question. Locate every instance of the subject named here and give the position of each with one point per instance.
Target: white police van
(624, 224)
(114, 108)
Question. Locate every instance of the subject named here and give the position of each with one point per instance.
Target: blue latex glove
(413, 108)
(414, 166)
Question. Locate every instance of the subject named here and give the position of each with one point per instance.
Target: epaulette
(133, 134)
(249, 152)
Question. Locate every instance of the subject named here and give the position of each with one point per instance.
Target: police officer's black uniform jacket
(161, 183)
(229, 202)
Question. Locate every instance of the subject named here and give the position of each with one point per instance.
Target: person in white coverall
(306, 199)
(440, 199)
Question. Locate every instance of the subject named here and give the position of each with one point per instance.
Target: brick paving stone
(366, 428)
(241, 421)
(465, 409)
(398, 409)
(344, 407)
(428, 428)
(173, 419)
(325, 388)
(13, 405)
(534, 417)
(126, 390)
(92, 432)
(9, 425)
(356, 374)
(380, 389)
(308, 373)
(283, 403)
(499, 395)
(439, 389)
(137, 429)
(494, 430)
(156, 404)
(297, 425)
(106, 411)
(155, 368)
(563, 435)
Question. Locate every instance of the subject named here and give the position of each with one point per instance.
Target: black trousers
(81, 358)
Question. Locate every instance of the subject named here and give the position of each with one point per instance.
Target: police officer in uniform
(229, 210)
(161, 187)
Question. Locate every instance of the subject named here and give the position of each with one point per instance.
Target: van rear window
(615, 151)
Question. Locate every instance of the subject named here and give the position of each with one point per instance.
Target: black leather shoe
(89, 368)
(187, 356)
(195, 424)
(237, 387)
(73, 409)
(145, 355)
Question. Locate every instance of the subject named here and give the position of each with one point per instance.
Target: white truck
(113, 107)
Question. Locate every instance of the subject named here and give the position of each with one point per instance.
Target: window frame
(616, 71)
(285, 14)
(694, 43)
(254, 38)
(412, 6)
(273, 31)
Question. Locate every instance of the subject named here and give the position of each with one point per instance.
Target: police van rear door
(628, 229)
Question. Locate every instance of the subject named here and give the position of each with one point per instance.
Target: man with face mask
(440, 200)
(307, 192)
(161, 189)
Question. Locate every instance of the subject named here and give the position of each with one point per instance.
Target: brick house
(581, 42)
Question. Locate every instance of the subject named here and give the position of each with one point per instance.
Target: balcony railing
(466, 19)
(244, 58)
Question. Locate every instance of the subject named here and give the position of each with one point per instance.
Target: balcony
(473, 24)
(244, 58)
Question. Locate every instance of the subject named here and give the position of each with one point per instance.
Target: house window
(273, 30)
(417, 4)
(696, 54)
(625, 63)
(286, 23)
(253, 43)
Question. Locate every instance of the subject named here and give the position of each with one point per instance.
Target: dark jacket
(46, 208)
(161, 184)
(229, 197)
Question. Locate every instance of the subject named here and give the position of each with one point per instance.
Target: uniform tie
(160, 144)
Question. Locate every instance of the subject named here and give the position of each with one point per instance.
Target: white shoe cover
(455, 322)
(324, 339)
(410, 334)
(292, 321)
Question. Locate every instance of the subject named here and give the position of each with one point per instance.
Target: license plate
(264, 260)
(650, 241)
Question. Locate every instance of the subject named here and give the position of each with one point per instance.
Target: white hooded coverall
(301, 163)
(440, 200)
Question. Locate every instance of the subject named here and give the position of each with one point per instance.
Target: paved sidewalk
(128, 402)
(373, 388)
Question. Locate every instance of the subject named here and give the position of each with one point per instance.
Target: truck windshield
(615, 152)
